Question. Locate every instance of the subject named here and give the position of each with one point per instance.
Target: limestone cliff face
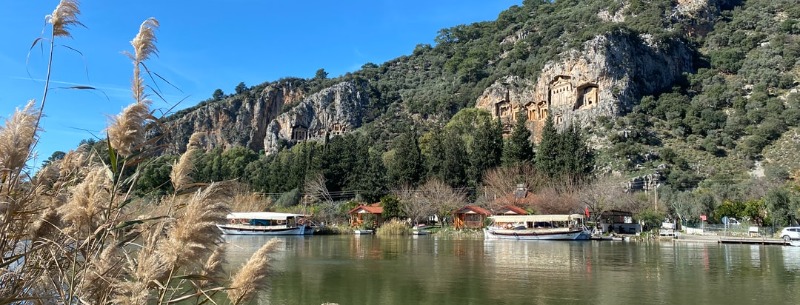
(239, 120)
(606, 77)
(332, 111)
(256, 120)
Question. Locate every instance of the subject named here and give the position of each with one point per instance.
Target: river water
(350, 269)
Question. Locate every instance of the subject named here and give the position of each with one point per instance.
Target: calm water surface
(348, 269)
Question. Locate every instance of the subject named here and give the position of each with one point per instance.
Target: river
(351, 269)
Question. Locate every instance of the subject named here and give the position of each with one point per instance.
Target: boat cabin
(266, 219)
(538, 221)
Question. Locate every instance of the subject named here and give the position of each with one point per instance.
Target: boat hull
(537, 234)
(262, 230)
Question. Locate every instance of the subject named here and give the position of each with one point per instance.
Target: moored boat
(265, 223)
(537, 227)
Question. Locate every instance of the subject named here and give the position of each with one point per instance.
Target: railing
(741, 230)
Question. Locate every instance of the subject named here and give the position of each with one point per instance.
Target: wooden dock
(753, 241)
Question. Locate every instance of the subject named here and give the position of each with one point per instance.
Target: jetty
(753, 241)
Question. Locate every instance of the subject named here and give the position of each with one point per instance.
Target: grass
(393, 227)
(73, 234)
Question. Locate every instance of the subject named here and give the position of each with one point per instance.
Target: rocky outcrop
(260, 120)
(606, 77)
(238, 120)
(332, 111)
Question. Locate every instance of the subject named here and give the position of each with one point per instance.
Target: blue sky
(204, 45)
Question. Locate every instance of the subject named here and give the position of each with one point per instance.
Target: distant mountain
(675, 92)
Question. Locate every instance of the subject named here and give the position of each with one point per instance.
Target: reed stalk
(74, 234)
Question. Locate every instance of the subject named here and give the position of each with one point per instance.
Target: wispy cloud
(73, 84)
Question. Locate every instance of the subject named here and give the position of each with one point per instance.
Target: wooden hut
(470, 217)
(361, 215)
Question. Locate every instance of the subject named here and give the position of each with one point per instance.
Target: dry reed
(64, 16)
(180, 176)
(393, 227)
(16, 138)
(252, 276)
(70, 234)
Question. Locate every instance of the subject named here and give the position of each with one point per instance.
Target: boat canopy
(534, 218)
(263, 215)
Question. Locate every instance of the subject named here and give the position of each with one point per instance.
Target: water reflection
(791, 258)
(426, 270)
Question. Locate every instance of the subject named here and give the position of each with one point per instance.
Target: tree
(372, 182)
(57, 155)
(441, 197)
(518, 148)
(406, 166)
(575, 156)
(321, 74)
(391, 207)
(455, 160)
(412, 205)
(240, 88)
(218, 94)
(601, 196)
(487, 150)
(435, 153)
(547, 154)
(778, 202)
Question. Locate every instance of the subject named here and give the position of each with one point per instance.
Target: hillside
(691, 93)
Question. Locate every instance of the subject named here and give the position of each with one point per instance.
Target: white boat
(362, 232)
(537, 227)
(416, 231)
(265, 223)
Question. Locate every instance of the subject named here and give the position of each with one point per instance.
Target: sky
(203, 45)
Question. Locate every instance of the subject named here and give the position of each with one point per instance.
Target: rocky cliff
(254, 120)
(332, 111)
(606, 77)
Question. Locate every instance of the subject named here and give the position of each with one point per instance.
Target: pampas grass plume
(89, 198)
(17, 136)
(64, 16)
(195, 232)
(127, 131)
(253, 275)
(144, 44)
(181, 170)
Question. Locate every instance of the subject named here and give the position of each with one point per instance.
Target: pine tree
(453, 171)
(372, 184)
(406, 168)
(518, 148)
(487, 150)
(578, 159)
(435, 156)
(548, 150)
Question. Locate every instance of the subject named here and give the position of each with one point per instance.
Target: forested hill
(691, 94)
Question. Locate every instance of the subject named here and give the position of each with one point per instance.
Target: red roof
(511, 209)
(374, 208)
(474, 209)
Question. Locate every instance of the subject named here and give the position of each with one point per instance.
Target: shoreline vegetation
(74, 233)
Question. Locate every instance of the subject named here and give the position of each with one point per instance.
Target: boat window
(259, 222)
